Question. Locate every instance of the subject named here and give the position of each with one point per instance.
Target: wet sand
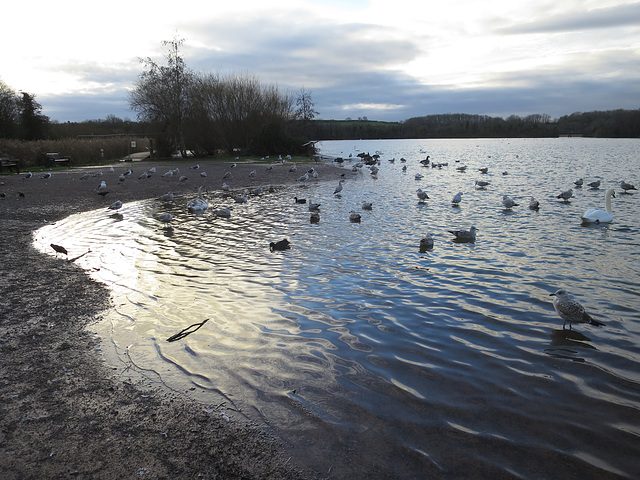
(65, 413)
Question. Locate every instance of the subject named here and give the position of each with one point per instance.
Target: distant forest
(611, 124)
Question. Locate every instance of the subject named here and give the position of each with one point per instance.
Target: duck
(299, 200)
(314, 217)
(367, 206)
(597, 216)
(281, 245)
(465, 235)
(354, 217)
(199, 204)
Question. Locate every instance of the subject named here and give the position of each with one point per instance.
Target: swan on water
(199, 204)
(595, 215)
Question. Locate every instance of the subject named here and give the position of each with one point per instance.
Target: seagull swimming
(465, 235)
(626, 186)
(314, 207)
(597, 216)
(367, 206)
(426, 243)
(167, 197)
(354, 217)
(508, 202)
(570, 310)
(534, 204)
(566, 195)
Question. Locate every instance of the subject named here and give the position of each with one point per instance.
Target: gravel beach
(64, 413)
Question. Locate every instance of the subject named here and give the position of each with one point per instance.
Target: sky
(386, 60)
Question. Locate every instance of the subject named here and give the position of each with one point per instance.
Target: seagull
(46, 175)
(570, 310)
(83, 177)
(508, 202)
(234, 165)
(195, 167)
(151, 170)
(224, 212)
(182, 178)
(167, 174)
(143, 175)
(482, 184)
(165, 217)
(578, 183)
(595, 185)
(426, 243)
(367, 206)
(167, 197)
(122, 178)
(465, 235)
(257, 191)
(102, 188)
(623, 185)
(59, 249)
(293, 168)
(197, 205)
(314, 207)
(457, 198)
(225, 187)
(566, 195)
(253, 173)
(534, 204)
(483, 169)
(314, 217)
(226, 175)
(281, 245)
(418, 176)
(115, 205)
(241, 199)
(339, 187)
(422, 195)
(354, 217)
(29, 175)
(203, 174)
(304, 177)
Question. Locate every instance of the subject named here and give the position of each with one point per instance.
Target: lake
(370, 358)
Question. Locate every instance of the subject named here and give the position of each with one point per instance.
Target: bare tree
(305, 104)
(161, 94)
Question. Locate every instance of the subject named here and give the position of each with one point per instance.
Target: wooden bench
(11, 165)
(56, 160)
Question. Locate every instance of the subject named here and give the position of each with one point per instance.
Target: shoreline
(65, 413)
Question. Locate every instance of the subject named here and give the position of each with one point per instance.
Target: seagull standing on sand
(570, 310)
(46, 175)
(566, 195)
(29, 175)
(102, 188)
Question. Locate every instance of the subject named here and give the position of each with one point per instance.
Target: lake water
(372, 359)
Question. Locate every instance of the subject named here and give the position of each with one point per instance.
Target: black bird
(21, 195)
(281, 245)
(59, 249)
(300, 200)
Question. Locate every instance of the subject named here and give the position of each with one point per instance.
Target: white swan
(594, 215)
(197, 205)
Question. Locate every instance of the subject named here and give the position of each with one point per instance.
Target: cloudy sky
(383, 59)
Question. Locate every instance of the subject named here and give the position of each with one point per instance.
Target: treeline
(612, 123)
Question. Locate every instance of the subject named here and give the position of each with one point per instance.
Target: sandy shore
(63, 412)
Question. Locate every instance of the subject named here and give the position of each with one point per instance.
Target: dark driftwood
(187, 331)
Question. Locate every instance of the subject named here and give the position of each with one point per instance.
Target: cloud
(610, 17)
